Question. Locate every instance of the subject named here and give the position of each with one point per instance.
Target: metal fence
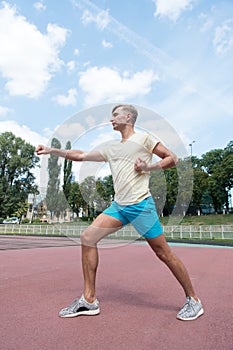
(200, 232)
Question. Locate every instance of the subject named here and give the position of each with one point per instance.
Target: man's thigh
(101, 227)
(160, 246)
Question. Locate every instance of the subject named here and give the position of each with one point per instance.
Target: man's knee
(87, 238)
(162, 251)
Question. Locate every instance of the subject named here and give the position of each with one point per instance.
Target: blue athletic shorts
(143, 216)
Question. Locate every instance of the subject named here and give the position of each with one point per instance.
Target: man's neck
(126, 134)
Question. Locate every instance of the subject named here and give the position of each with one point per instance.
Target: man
(130, 163)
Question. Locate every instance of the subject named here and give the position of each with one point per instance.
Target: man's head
(123, 114)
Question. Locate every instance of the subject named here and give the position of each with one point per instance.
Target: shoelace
(74, 304)
(186, 305)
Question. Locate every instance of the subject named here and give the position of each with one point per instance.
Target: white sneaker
(191, 310)
(80, 307)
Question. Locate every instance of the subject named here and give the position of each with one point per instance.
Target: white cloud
(101, 20)
(223, 39)
(39, 6)
(171, 8)
(56, 35)
(195, 115)
(4, 111)
(69, 100)
(22, 131)
(69, 130)
(207, 22)
(107, 44)
(48, 133)
(90, 121)
(106, 84)
(71, 65)
(76, 52)
(87, 63)
(102, 138)
(28, 58)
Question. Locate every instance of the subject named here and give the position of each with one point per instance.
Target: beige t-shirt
(130, 186)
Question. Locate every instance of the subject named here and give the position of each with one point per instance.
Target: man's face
(119, 119)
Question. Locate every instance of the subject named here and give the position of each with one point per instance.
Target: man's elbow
(75, 155)
(175, 160)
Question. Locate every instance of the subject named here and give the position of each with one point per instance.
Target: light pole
(191, 148)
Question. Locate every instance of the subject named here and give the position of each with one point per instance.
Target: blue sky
(174, 57)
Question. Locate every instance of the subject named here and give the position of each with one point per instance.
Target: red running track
(139, 300)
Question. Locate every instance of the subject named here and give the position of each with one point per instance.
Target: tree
(108, 194)
(105, 193)
(185, 186)
(227, 171)
(211, 159)
(89, 193)
(200, 187)
(172, 181)
(164, 189)
(61, 204)
(158, 189)
(52, 195)
(17, 160)
(172, 188)
(75, 199)
(219, 166)
(67, 173)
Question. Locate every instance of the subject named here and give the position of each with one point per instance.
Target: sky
(62, 58)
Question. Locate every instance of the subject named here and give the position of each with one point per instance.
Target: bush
(36, 221)
(25, 221)
(1, 220)
(87, 218)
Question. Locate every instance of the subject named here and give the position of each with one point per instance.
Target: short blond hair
(130, 109)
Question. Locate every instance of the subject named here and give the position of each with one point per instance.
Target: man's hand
(141, 165)
(41, 149)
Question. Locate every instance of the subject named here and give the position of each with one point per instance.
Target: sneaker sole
(82, 313)
(201, 312)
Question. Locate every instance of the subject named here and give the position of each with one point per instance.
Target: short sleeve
(150, 142)
(104, 152)
(104, 149)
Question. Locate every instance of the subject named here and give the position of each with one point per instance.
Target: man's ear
(129, 118)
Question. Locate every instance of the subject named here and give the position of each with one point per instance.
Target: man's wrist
(155, 166)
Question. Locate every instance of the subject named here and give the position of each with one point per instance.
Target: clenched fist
(41, 149)
(141, 165)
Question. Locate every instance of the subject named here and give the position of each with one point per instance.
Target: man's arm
(75, 155)
(168, 160)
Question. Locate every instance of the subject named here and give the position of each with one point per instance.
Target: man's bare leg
(101, 227)
(87, 304)
(164, 253)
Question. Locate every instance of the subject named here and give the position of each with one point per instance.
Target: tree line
(17, 161)
(209, 178)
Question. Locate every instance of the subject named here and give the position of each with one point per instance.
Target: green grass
(214, 219)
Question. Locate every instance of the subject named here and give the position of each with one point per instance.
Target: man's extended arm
(75, 155)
